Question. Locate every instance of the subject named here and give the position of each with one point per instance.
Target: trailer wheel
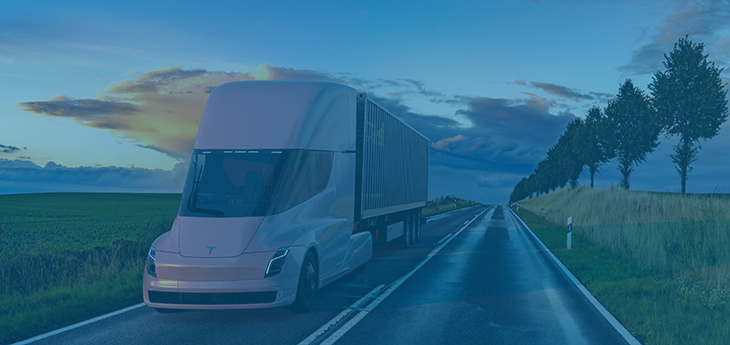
(408, 233)
(307, 284)
(412, 220)
(417, 222)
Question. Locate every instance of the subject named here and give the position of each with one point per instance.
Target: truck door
(335, 208)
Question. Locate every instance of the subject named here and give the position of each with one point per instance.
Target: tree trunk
(684, 155)
(625, 169)
(592, 170)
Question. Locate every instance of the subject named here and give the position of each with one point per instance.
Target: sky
(108, 97)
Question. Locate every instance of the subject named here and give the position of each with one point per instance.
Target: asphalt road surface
(476, 277)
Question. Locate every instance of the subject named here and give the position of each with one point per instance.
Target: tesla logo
(210, 250)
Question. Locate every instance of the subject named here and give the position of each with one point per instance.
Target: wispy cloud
(561, 91)
(8, 149)
(443, 144)
(702, 20)
(105, 114)
(433, 95)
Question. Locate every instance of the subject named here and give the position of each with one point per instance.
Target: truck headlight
(276, 262)
(151, 262)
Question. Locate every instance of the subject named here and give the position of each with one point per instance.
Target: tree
(690, 99)
(571, 164)
(591, 142)
(634, 128)
(519, 192)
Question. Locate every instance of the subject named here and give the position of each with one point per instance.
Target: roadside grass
(444, 204)
(67, 257)
(666, 232)
(658, 306)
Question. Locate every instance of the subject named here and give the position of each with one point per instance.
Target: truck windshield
(252, 183)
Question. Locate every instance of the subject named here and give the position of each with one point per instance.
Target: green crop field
(65, 257)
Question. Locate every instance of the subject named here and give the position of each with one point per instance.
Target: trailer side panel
(394, 162)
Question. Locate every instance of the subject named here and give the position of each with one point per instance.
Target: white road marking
(392, 287)
(355, 306)
(606, 314)
(77, 325)
(340, 332)
(444, 239)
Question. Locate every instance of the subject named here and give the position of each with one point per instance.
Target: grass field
(66, 257)
(667, 232)
(445, 204)
(647, 257)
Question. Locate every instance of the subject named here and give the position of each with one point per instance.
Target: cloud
(602, 96)
(154, 81)
(22, 176)
(432, 95)
(504, 142)
(521, 130)
(443, 144)
(161, 110)
(571, 98)
(82, 109)
(703, 21)
(561, 91)
(8, 149)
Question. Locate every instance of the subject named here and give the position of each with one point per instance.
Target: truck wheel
(412, 228)
(307, 284)
(408, 233)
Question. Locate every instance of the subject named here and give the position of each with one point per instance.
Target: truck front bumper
(221, 283)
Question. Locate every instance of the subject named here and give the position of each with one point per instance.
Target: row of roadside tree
(687, 100)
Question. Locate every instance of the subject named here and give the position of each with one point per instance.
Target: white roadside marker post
(570, 231)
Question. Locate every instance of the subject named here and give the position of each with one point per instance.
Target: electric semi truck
(289, 186)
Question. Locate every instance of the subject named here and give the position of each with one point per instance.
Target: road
(489, 283)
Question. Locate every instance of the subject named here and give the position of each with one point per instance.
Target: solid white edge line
(393, 286)
(443, 239)
(606, 314)
(77, 325)
(312, 337)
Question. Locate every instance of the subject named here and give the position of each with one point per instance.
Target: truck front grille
(212, 298)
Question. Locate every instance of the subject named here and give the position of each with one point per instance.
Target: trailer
(290, 185)
(392, 172)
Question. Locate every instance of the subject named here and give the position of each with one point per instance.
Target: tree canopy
(591, 142)
(690, 100)
(634, 128)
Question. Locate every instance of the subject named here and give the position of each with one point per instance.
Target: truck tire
(412, 228)
(409, 233)
(307, 285)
